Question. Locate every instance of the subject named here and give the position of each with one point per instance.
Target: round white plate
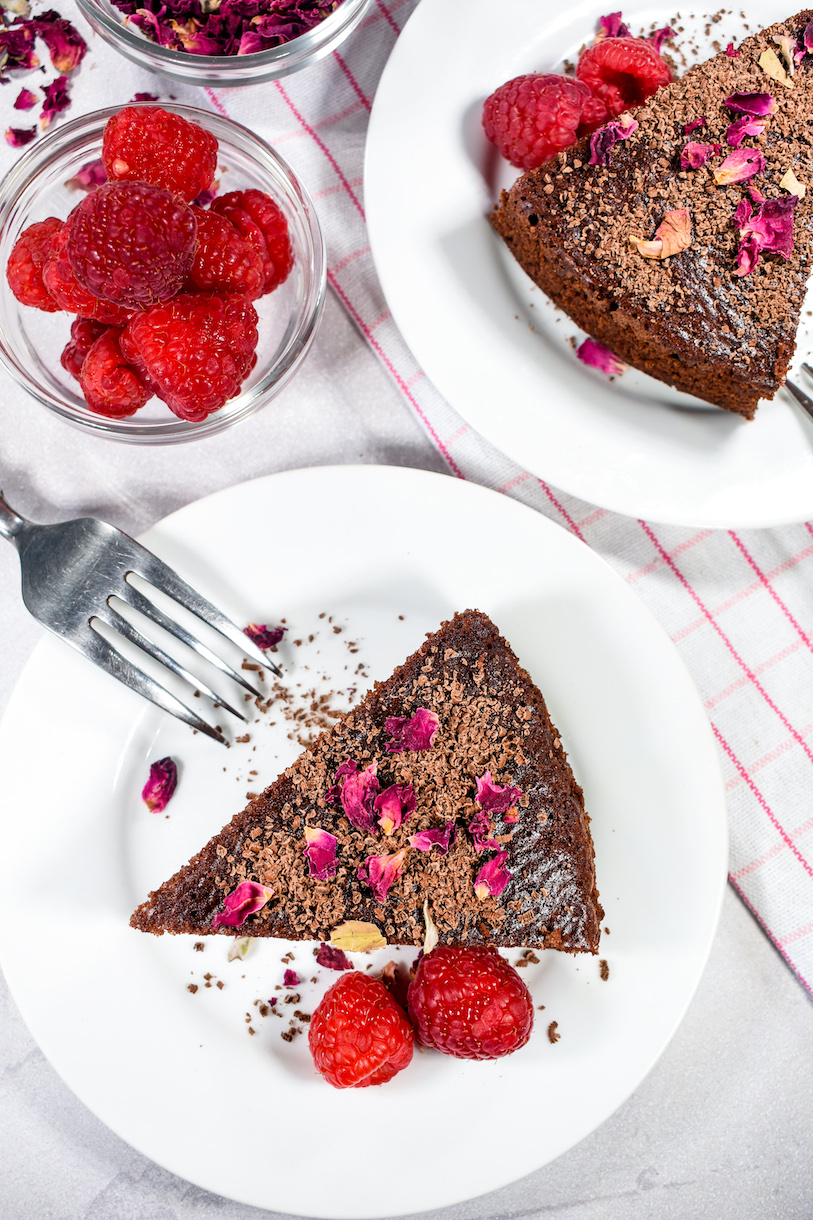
(492, 342)
(177, 1074)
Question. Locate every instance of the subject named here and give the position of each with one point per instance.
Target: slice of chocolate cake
(708, 161)
(447, 785)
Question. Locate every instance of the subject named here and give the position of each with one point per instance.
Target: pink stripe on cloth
(776, 940)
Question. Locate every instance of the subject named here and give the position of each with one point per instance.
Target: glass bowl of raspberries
(232, 42)
(164, 273)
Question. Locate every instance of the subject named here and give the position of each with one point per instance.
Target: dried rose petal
(789, 182)
(746, 126)
(356, 936)
(430, 936)
(659, 37)
(672, 235)
(18, 137)
(359, 791)
(334, 793)
(160, 785)
(747, 255)
(17, 45)
(25, 100)
(290, 979)
(264, 637)
(807, 37)
(613, 27)
(743, 213)
(495, 798)
(92, 174)
(772, 66)
(56, 99)
(773, 225)
(786, 46)
(66, 46)
(759, 104)
(604, 140)
(381, 871)
(512, 816)
(247, 899)
(333, 959)
(493, 877)
(480, 831)
(239, 947)
(425, 840)
(695, 124)
(600, 357)
(695, 156)
(739, 166)
(320, 851)
(395, 804)
(731, 53)
(413, 733)
(756, 194)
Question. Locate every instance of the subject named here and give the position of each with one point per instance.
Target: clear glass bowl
(32, 341)
(223, 70)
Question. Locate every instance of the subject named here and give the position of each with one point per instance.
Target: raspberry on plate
(84, 333)
(26, 261)
(108, 383)
(149, 144)
(622, 72)
(195, 350)
(225, 261)
(533, 117)
(260, 221)
(131, 243)
(470, 1003)
(358, 1035)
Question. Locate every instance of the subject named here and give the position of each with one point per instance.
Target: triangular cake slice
(464, 734)
(689, 319)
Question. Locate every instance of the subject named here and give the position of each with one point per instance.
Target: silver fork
(796, 392)
(70, 573)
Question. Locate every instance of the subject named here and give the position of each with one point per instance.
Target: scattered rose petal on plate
(161, 783)
(600, 357)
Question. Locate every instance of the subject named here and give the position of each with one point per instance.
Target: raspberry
(225, 261)
(622, 72)
(24, 268)
(194, 350)
(108, 383)
(131, 243)
(62, 284)
(258, 219)
(470, 1003)
(84, 333)
(148, 144)
(358, 1035)
(531, 118)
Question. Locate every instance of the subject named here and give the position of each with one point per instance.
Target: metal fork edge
(798, 394)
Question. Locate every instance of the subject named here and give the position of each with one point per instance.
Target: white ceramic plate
(177, 1075)
(491, 341)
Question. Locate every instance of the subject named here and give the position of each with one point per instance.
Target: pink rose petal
(659, 37)
(480, 831)
(160, 785)
(18, 137)
(333, 959)
(264, 637)
(92, 174)
(612, 26)
(443, 839)
(493, 877)
(320, 850)
(25, 100)
(334, 793)
(495, 798)
(757, 104)
(604, 140)
(695, 125)
(65, 44)
(395, 804)
(359, 791)
(413, 733)
(56, 100)
(381, 871)
(247, 899)
(695, 156)
(739, 166)
(290, 979)
(730, 52)
(600, 357)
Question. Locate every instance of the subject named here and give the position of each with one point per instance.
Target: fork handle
(10, 522)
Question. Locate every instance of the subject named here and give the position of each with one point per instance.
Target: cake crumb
(603, 970)
(198, 946)
(192, 987)
(553, 1035)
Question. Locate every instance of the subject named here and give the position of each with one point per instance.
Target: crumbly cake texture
(687, 320)
(491, 718)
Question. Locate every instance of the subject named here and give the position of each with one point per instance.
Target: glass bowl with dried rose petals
(224, 42)
(163, 273)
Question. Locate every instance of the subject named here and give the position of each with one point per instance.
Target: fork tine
(804, 401)
(135, 598)
(120, 624)
(100, 651)
(162, 576)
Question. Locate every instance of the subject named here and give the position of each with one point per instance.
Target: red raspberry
(195, 350)
(358, 1035)
(622, 72)
(224, 261)
(470, 1003)
(148, 144)
(131, 243)
(258, 219)
(108, 383)
(62, 284)
(531, 118)
(27, 258)
(84, 333)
